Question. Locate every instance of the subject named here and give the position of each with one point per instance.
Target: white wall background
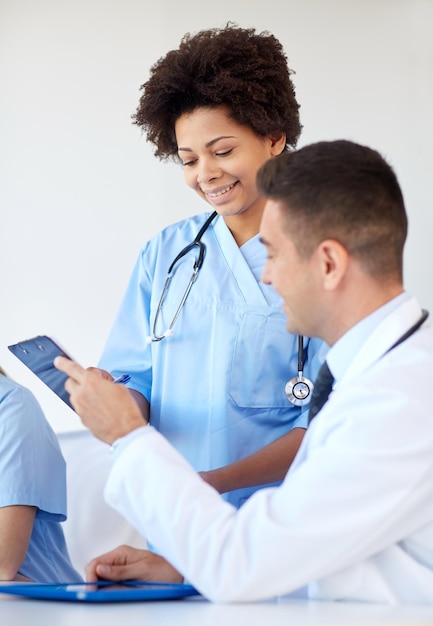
(80, 190)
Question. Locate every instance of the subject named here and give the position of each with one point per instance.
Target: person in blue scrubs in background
(32, 492)
(221, 105)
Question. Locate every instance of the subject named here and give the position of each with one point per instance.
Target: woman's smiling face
(221, 158)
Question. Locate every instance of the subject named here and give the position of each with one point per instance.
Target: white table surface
(15, 611)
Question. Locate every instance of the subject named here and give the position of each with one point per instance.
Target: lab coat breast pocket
(265, 357)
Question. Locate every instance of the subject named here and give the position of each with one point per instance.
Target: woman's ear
(278, 143)
(334, 259)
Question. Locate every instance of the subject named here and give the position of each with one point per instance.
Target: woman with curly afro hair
(213, 379)
(236, 68)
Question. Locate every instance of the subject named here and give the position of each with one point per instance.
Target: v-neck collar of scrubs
(237, 263)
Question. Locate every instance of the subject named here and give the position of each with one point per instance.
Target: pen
(122, 379)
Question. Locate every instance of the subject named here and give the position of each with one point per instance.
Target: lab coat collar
(388, 331)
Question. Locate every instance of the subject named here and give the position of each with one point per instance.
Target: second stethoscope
(298, 390)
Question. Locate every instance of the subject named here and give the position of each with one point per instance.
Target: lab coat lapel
(383, 337)
(237, 265)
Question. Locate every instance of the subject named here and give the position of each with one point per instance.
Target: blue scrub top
(216, 387)
(33, 473)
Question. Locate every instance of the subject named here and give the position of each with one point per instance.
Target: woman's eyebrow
(209, 143)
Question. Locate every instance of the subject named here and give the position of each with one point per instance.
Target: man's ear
(334, 260)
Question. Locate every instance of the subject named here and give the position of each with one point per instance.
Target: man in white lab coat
(353, 519)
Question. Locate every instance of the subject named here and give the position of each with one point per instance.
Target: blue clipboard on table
(102, 591)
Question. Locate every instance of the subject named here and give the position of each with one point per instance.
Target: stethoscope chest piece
(298, 390)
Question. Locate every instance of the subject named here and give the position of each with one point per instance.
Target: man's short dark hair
(343, 191)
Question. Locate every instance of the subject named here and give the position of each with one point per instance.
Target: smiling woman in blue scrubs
(221, 105)
(32, 492)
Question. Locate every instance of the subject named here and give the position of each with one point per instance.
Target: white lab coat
(353, 520)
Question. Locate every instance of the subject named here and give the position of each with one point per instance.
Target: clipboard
(101, 591)
(38, 355)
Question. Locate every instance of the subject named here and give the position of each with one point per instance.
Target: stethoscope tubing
(197, 243)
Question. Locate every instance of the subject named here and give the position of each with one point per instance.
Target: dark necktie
(321, 391)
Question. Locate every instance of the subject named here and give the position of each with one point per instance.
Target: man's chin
(291, 325)
(294, 330)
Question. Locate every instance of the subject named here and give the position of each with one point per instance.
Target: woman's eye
(224, 152)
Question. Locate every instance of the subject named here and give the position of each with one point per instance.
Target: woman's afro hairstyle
(236, 67)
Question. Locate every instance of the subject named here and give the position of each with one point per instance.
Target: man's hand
(106, 408)
(126, 563)
(101, 372)
(138, 397)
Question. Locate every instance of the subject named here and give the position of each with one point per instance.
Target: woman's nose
(207, 172)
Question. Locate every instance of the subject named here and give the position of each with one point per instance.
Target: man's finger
(114, 572)
(71, 368)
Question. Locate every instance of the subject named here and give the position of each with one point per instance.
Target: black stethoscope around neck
(201, 249)
(299, 389)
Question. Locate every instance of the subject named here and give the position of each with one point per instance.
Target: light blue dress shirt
(32, 472)
(216, 387)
